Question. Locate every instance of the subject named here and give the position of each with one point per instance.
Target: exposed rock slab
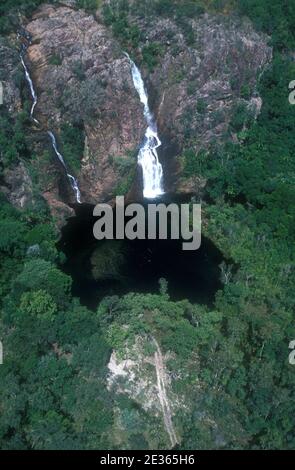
(82, 77)
(198, 88)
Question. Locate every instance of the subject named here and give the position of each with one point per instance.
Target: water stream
(73, 181)
(33, 93)
(148, 155)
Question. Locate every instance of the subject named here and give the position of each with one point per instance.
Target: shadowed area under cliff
(115, 267)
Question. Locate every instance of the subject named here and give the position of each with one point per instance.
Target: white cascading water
(33, 93)
(148, 156)
(73, 181)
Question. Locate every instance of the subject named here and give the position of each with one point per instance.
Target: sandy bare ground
(161, 385)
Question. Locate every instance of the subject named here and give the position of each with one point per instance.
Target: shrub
(201, 106)
(115, 15)
(72, 138)
(240, 117)
(191, 87)
(55, 59)
(78, 70)
(88, 5)
(151, 54)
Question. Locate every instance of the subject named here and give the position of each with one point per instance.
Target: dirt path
(161, 384)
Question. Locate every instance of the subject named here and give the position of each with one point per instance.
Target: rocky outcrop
(18, 187)
(202, 91)
(9, 75)
(199, 89)
(82, 77)
(142, 376)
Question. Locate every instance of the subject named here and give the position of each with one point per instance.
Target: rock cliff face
(9, 62)
(199, 90)
(83, 80)
(82, 77)
(18, 186)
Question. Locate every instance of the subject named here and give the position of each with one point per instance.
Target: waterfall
(72, 180)
(30, 82)
(33, 93)
(148, 156)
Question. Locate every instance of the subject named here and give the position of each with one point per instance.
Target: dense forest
(237, 381)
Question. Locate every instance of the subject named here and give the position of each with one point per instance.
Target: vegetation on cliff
(231, 383)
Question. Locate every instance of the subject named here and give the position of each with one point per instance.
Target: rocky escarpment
(9, 62)
(15, 182)
(82, 78)
(202, 91)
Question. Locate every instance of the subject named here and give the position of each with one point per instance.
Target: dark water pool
(194, 275)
